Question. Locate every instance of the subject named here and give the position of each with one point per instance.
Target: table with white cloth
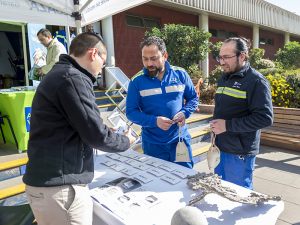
(135, 189)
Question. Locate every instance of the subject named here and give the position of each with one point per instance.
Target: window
(214, 33)
(232, 34)
(137, 21)
(270, 41)
(262, 41)
(134, 21)
(222, 33)
(149, 23)
(266, 41)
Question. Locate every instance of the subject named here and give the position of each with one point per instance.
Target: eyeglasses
(224, 58)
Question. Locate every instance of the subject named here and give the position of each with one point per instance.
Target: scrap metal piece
(211, 183)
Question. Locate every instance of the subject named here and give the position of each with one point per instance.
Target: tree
(186, 45)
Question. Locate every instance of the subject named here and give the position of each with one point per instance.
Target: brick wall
(240, 30)
(127, 39)
(271, 49)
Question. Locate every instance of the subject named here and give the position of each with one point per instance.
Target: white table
(134, 209)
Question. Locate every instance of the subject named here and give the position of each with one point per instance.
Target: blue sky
(290, 5)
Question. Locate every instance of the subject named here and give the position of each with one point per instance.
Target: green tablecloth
(17, 105)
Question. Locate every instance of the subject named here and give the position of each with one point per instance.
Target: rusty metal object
(211, 183)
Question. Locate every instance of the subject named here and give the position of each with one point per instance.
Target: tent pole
(67, 29)
(25, 54)
(77, 16)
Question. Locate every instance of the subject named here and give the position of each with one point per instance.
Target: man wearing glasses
(65, 127)
(243, 106)
(160, 97)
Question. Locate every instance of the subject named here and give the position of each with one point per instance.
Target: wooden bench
(285, 131)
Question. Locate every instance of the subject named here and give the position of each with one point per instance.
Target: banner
(33, 41)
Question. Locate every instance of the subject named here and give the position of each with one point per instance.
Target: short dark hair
(242, 45)
(154, 40)
(45, 32)
(82, 42)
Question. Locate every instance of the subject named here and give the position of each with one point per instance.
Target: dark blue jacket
(244, 100)
(65, 126)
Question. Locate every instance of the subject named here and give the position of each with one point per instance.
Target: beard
(231, 69)
(154, 71)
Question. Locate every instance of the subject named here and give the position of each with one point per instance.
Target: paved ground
(277, 173)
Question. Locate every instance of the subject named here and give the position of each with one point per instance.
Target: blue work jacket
(148, 98)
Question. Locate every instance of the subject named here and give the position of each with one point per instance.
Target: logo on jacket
(173, 80)
(237, 85)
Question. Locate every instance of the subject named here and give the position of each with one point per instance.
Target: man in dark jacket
(65, 127)
(243, 106)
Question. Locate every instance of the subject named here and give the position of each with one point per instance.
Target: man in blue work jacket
(243, 106)
(160, 98)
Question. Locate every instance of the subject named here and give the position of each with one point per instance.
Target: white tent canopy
(62, 12)
(75, 13)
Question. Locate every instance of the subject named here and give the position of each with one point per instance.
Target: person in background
(160, 98)
(65, 126)
(243, 106)
(54, 50)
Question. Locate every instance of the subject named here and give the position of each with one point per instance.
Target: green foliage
(186, 45)
(289, 56)
(255, 55)
(256, 59)
(195, 72)
(215, 75)
(207, 95)
(282, 92)
(215, 49)
(293, 78)
(266, 64)
(271, 71)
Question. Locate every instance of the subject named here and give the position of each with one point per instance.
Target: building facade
(266, 25)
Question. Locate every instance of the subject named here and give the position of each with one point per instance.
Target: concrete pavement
(277, 172)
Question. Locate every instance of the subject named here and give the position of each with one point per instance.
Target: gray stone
(189, 216)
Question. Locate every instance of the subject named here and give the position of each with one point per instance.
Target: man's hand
(128, 134)
(164, 123)
(39, 72)
(218, 126)
(179, 118)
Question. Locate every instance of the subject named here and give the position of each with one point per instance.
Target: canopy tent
(62, 12)
(76, 13)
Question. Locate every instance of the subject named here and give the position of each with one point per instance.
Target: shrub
(186, 45)
(207, 95)
(282, 92)
(256, 59)
(195, 72)
(266, 64)
(294, 81)
(289, 56)
(215, 49)
(215, 75)
(271, 71)
(255, 55)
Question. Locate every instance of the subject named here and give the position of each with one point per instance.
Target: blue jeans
(167, 152)
(237, 169)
